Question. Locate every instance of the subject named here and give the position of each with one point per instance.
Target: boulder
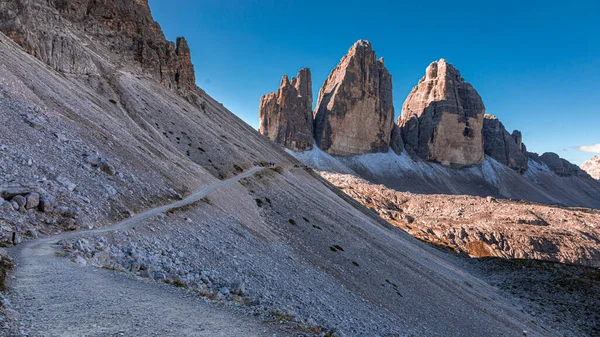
(20, 201)
(286, 115)
(33, 200)
(46, 204)
(8, 192)
(502, 146)
(442, 118)
(355, 112)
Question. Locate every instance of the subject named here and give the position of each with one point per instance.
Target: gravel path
(52, 296)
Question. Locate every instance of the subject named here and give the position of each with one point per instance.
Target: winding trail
(52, 296)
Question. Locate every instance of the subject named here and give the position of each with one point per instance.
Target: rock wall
(286, 115)
(126, 28)
(507, 149)
(354, 113)
(442, 118)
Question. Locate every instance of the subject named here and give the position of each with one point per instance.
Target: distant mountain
(592, 167)
(443, 142)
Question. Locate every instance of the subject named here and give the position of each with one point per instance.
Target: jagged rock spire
(502, 146)
(442, 118)
(286, 115)
(355, 112)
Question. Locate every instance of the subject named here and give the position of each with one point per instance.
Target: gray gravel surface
(53, 296)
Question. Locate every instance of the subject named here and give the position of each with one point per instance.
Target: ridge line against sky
(536, 64)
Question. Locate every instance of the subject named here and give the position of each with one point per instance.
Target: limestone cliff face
(354, 113)
(592, 167)
(286, 115)
(60, 33)
(505, 148)
(442, 118)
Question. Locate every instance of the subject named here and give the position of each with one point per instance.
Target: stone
(9, 192)
(33, 200)
(108, 168)
(592, 167)
(442, 118)
(502, 146)
(46, 204)
(20, 201)
(355, 111)
(68, 184)
(286, 115)
(103, 165)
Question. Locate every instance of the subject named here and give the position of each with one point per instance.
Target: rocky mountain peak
(70, 35)
(442, 118)
(354, 112)
(592, 167)
(286, 115)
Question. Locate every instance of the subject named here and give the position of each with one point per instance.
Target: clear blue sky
(536, 64)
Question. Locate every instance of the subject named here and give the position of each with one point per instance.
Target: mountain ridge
(443, 122)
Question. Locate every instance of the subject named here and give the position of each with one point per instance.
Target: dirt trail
(52, 296)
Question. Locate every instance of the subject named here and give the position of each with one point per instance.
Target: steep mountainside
(101, 121)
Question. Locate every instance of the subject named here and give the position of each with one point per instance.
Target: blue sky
(536, 64)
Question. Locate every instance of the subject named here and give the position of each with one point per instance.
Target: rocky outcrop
(126, 28)
(442, 118)
(502, 146)
(592, 167)
(484, 227)
(396, 142)
(558, 165)
(355, 112)
(286, 115)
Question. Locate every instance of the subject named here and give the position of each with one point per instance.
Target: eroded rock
(442, 118)
(502, 146)
(355, 112)
(286, 115)
(126, 27)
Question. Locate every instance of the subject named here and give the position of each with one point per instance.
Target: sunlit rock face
(505, 148)
(286, 115)
(355, 113)
(125, 28)
(592, 167)
(442, 118)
